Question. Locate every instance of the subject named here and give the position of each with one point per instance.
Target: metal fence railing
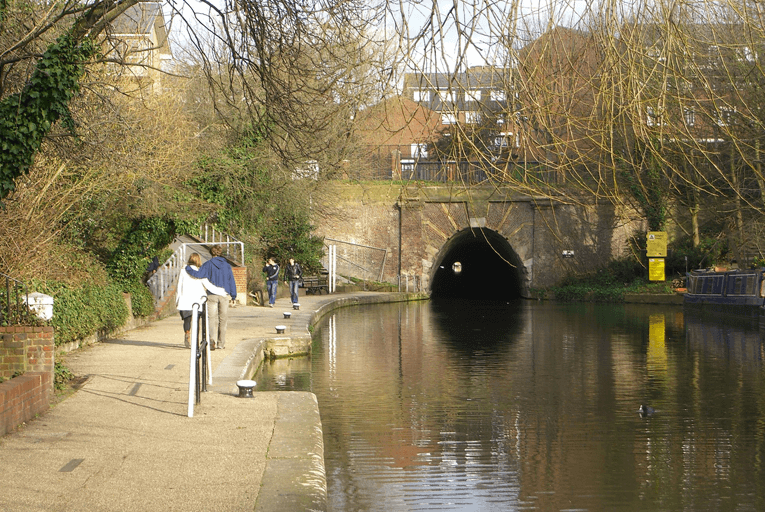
(14, 297)
(200, 370)
(357, 260)
(210, 236)
(162, 281)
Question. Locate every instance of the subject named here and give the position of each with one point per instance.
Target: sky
(474, 32)
(448, 35)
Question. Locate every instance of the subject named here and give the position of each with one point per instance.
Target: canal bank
(125, 440)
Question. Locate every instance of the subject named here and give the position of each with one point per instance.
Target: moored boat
(739, 292)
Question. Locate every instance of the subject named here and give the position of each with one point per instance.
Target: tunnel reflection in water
(488, 267)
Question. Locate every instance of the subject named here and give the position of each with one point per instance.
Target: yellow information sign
(656, 244)
(656, 269)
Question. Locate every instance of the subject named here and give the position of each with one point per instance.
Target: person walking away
(272, 280)
(219, 272)
(189, 291)
(292, 274)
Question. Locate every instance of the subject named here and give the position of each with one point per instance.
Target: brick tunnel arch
(490, 268)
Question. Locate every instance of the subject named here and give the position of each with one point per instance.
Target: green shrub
(83, 311)
(141, 298)
(709, 252)
(146, 238)
(61, 375)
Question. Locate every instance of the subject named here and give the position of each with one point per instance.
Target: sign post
(656, 250)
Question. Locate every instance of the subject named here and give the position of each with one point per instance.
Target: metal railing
(209, 236)
(200, 371)
(357, 260)
(163, 280)
(13, 302)
(409, 283)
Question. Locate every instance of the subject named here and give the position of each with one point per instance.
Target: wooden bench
(315, 284)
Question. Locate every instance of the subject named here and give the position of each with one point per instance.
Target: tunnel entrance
(477, 263)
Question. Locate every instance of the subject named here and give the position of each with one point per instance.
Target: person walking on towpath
(292, 274)
(219, 272)
(189, 291)
(272, 280)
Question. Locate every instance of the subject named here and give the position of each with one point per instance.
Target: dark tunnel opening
(477, 264)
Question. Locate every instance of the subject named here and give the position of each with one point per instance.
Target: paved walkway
(125, 441)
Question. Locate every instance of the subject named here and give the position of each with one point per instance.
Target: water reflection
(525, 405)
(737, 339)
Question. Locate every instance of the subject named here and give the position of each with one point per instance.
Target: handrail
(163, 280)
(208, 237)
(166, 275)
(200, 373)
(13, 308)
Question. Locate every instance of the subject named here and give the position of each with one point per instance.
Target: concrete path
(125, 441)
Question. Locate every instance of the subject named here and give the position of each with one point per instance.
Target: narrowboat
(738, 292)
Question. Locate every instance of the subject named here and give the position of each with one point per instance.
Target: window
(421, 95)
(714, 55)
(653, 117)
(689, 115)
(656, 54)
(472, 117)
(725, 116)
(473, 95)
(407, 166)
(497, 95)
(746, 54)
(448, 118)
(419, 150)
(446, 96)
(502, 139)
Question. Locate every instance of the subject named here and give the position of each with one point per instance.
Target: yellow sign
(656, 269)
(656, 244)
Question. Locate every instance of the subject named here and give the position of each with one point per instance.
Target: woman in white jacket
(189, 291)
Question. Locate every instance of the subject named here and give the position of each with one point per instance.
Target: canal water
(495, 406)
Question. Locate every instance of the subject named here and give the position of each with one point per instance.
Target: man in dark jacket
(219, 272)
(271, 270)
(292, 275)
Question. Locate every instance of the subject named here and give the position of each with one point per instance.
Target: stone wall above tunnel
(386, 229)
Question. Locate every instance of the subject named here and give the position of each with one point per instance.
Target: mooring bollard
(280, 329)
(287, 314)
(245, 388)
(295, 306)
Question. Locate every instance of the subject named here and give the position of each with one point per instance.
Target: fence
(13, 303)
(200, 371)
(162, 281)
(210, 236)
(409, 283)
(392, 162)
(357, 260)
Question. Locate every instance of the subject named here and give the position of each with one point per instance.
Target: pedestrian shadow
(104, 394)
(133, 397)
(143, 343)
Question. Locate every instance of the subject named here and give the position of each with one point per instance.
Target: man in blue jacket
(219, 272)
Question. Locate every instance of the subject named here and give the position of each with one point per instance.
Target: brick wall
(28, 350)
(240, 276)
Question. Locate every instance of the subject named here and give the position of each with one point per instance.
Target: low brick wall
(28, 351)
(240, 277)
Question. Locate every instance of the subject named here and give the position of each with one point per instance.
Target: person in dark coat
(219, 272)
(272, 280)
(292, 274)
